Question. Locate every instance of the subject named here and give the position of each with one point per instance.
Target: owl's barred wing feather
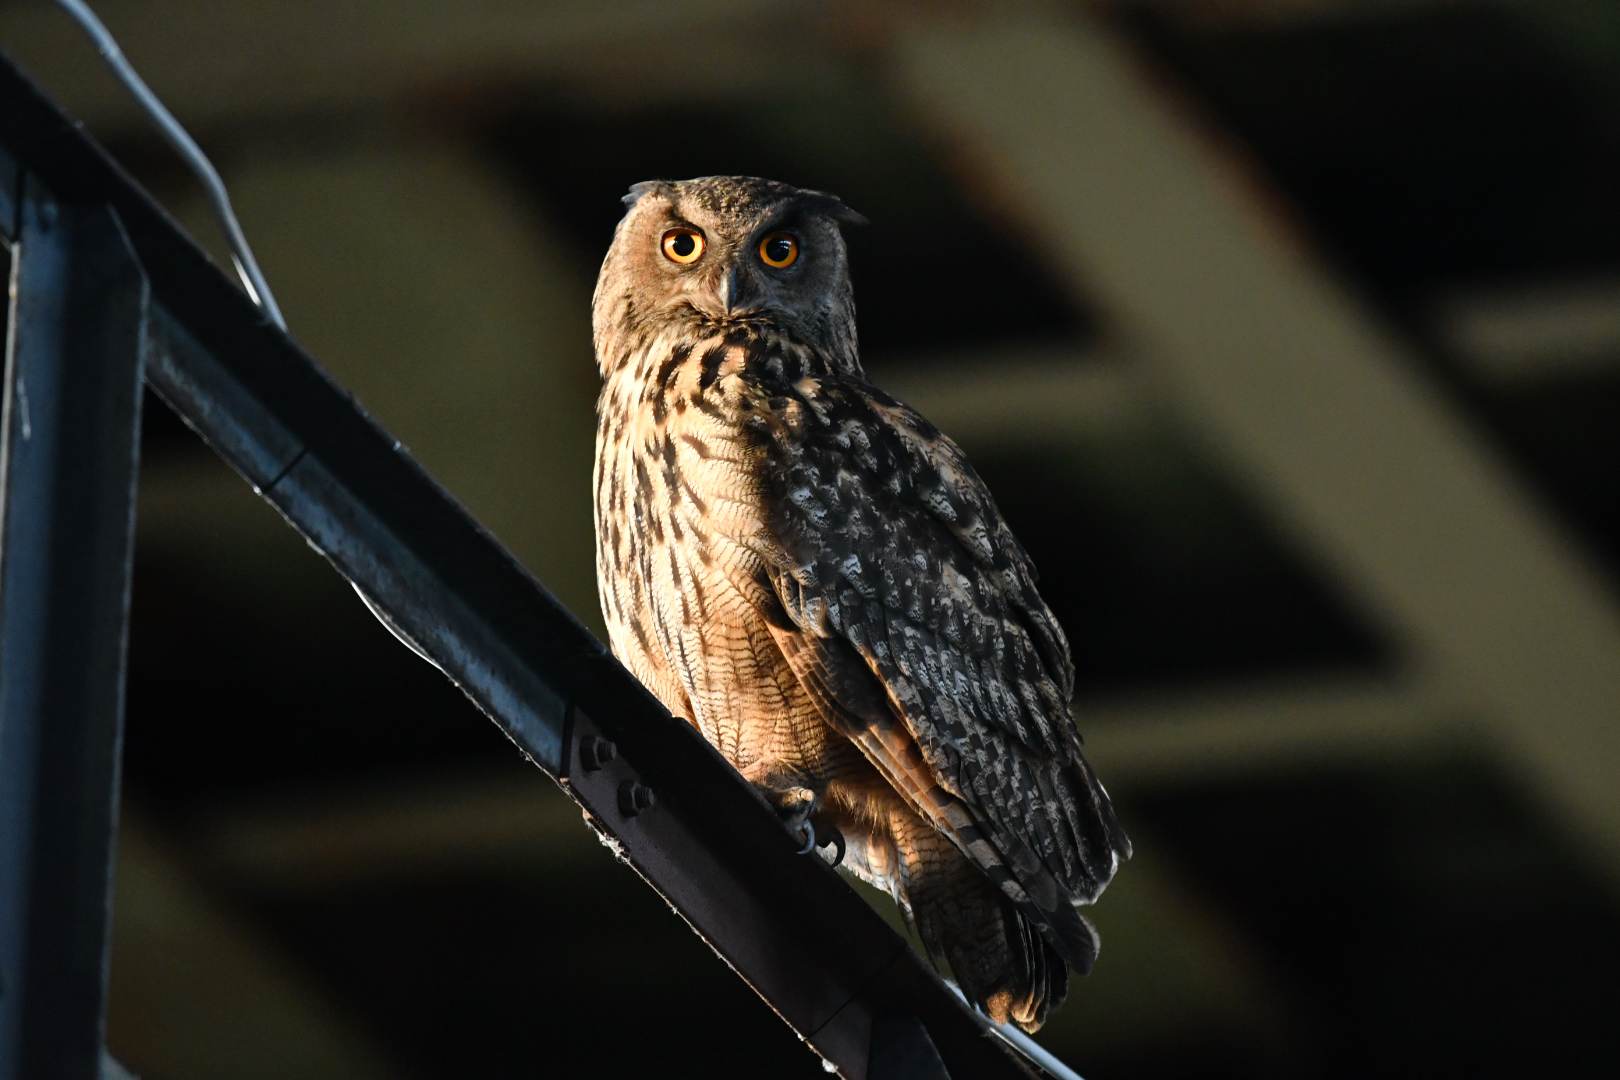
(907, 597)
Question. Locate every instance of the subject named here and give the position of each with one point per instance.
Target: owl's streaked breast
(680, 532)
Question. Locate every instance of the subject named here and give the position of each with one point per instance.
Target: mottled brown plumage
(815, 577)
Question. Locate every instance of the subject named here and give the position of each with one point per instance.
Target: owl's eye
(683, 245)
(779, 250)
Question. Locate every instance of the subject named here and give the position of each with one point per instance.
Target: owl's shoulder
(837, 429)
(864, 492)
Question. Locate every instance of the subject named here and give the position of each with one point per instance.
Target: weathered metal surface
(10, 194)
(707, 842)
(71, 439)
(902, 1050)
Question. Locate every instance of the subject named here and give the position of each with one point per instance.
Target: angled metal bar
(787, 924)
(68, 468)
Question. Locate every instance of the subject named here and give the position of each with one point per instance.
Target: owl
(814, 577)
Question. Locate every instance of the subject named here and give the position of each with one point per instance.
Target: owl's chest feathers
(684, 540)
(679, 441)
(680, 498)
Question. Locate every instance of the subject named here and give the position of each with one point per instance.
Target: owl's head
(723, 251)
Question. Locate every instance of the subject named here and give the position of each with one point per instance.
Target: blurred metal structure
(663, 799)
(1321, 408)
(68, 468)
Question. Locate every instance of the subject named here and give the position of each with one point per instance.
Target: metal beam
(67, 472)
(10, 196)
(1030, 396)
(1318, 408)
(1280, 725)
(706, 841)
(1535, 330)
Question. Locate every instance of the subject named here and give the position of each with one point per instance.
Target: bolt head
(635, 797)
(595, 752)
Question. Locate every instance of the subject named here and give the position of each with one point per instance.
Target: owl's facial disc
(731, 275)
(761, 269)
(717, 252)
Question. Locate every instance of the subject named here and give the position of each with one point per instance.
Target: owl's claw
(837, 839)
(828, 835)
(809, 834)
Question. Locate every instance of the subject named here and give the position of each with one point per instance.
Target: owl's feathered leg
(1000, 961)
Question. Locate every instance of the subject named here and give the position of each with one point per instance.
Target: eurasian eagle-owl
(814, 576)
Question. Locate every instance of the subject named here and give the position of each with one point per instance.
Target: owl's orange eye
(779, 250)
(683, 245)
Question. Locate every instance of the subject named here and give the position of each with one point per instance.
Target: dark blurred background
(1286, 332)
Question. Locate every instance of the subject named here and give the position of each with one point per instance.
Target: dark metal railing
(110, 290)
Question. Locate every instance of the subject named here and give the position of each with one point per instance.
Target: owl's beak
(730, 302)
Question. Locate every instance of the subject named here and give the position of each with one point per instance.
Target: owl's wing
(912, 617)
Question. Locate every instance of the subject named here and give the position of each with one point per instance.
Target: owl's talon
(829, 835)
(837, 841)
(809, 833)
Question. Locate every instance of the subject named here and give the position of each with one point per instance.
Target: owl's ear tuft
(834, 207)
(846, 216)
(646, 187)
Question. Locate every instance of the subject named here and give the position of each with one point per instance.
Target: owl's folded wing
(912, 617)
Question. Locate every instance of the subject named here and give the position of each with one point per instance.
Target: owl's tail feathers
(1082, 845)
(1028, 980)
(1069, 933)
(1105, 844)
(998, 956)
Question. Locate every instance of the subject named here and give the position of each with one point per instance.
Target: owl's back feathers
(896, 565)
